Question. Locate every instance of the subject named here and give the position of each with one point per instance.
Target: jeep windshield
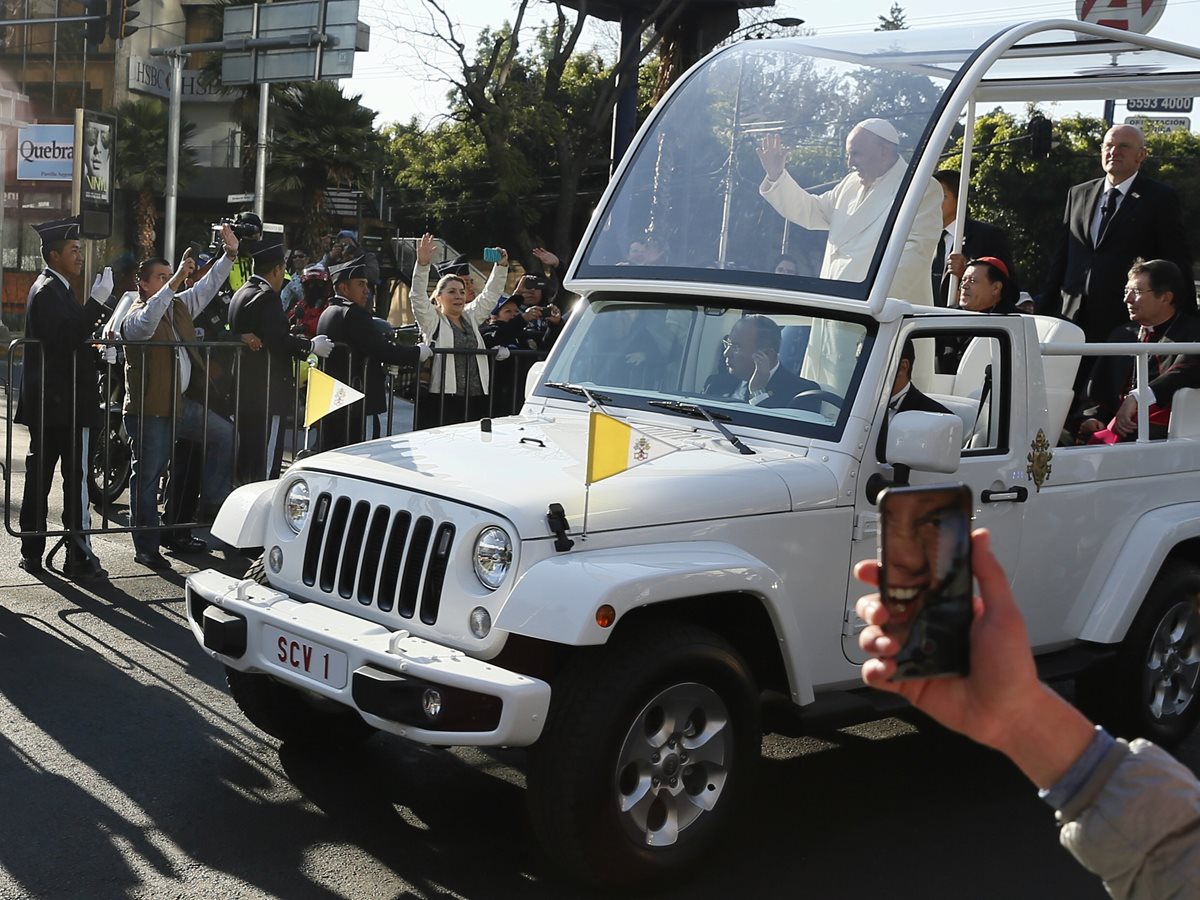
(638, 352)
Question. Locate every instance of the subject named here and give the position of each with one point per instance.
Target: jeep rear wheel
(648, 754)
(1153, 687)
(291, 715)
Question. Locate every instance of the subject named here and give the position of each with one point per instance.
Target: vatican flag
(326, 394)
(614, 447)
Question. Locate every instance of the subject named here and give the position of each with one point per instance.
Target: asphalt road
(126, 771)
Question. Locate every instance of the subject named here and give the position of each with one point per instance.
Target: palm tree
(322, 139)
(141, 163)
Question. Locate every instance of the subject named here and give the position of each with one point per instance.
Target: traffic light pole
(171, 201)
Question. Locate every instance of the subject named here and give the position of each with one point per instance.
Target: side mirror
(925, 441)
(533, 376)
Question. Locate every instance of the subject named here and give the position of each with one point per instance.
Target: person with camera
(169, 390)
(458, 385)
(59, 401)
(1129, 812)
(360, 353)
(266, 383)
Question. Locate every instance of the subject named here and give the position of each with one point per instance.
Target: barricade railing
(215, 385)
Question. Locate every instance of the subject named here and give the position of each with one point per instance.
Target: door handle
(1007, 495)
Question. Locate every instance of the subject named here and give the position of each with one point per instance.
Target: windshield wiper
(579, 391)
(695, 409)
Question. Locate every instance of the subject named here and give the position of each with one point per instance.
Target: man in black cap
(59, 401)
(266, 387)
(359, 357)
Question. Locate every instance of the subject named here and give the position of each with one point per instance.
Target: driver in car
(752, 356)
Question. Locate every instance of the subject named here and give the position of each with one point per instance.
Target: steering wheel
(811, 400)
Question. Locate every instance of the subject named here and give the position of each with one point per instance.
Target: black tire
(106, 483)
(293, 716)
(588, 761)
(1152, 688)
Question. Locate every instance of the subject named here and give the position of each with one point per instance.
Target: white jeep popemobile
(444, 585)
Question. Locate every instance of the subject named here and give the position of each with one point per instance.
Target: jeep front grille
(378, 556)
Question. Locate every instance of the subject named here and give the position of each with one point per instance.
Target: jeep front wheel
(647, 756)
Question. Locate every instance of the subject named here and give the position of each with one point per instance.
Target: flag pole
(587, 485)
(587, 494)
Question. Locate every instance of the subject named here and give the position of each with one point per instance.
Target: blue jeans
(152, 442)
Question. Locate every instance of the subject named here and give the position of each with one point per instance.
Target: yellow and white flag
(325, 395)
(614, 447)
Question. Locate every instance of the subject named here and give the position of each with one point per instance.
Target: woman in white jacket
(458, 389)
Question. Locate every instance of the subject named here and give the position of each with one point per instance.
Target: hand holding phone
(925, 578)
(491, 254)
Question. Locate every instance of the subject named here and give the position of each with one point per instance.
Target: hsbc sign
(1127, 15)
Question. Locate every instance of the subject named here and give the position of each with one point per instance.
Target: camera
(246, 226)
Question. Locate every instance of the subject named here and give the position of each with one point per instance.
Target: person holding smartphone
(1130, 813)
(459, 383)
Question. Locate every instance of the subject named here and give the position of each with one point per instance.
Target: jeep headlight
(296, 505)
(492, 557)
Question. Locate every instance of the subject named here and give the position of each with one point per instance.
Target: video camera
(247, 226)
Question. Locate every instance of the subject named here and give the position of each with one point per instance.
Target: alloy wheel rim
(673, 763)
(1172, 671)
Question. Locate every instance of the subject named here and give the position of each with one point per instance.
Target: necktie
(1107, 208)
(939, 261)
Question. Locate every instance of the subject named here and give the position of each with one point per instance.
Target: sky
(399, 76)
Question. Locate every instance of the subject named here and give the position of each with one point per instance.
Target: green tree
(141, 163)
(321, 139)
(537, 110)
(894, 20)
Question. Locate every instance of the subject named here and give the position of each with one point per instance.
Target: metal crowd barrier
(108, 467)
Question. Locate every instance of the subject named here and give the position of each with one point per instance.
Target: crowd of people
(208, 352)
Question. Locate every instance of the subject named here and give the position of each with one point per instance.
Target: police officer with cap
(359, 357)
(59, 401)
(266, 386)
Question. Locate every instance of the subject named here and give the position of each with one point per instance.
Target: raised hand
(545, 257)
(425, 249)
(772, 154)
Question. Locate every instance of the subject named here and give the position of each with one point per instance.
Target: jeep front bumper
(397, 682)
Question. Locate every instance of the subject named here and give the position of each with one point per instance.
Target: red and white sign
(1128, 15)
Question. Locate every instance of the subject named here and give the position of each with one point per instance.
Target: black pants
(259, 448)
(56, 445)
(449, 409)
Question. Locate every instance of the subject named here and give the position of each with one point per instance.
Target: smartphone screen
(925, 578)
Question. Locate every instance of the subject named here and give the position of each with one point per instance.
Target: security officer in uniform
(359, 357)
(266, 386)
(60, 403)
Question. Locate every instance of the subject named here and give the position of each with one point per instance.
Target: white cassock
(854, 214)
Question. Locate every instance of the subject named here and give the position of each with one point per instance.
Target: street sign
(1160, 123)
(302, 22)
(1159, 104)
(1128, 15)
(240, 198)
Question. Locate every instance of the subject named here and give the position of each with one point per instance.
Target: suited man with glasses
(1108, 223)
(751, 354)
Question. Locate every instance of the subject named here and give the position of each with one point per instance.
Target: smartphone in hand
(491, 254)
(925, 578)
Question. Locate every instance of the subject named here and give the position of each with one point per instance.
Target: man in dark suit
(752, 356)
(358, 358)
(1156, 316)
(59, 402)
(1107, 224)
(979, 239)
(266, 387)
(905, 398)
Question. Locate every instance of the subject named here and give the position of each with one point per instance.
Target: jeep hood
(526, 463)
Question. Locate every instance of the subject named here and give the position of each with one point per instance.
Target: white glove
(502, 353)
(109, 355)
(322, 346)
(424, 352)
(103, 285)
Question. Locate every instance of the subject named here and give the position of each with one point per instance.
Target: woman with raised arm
(459, 384)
